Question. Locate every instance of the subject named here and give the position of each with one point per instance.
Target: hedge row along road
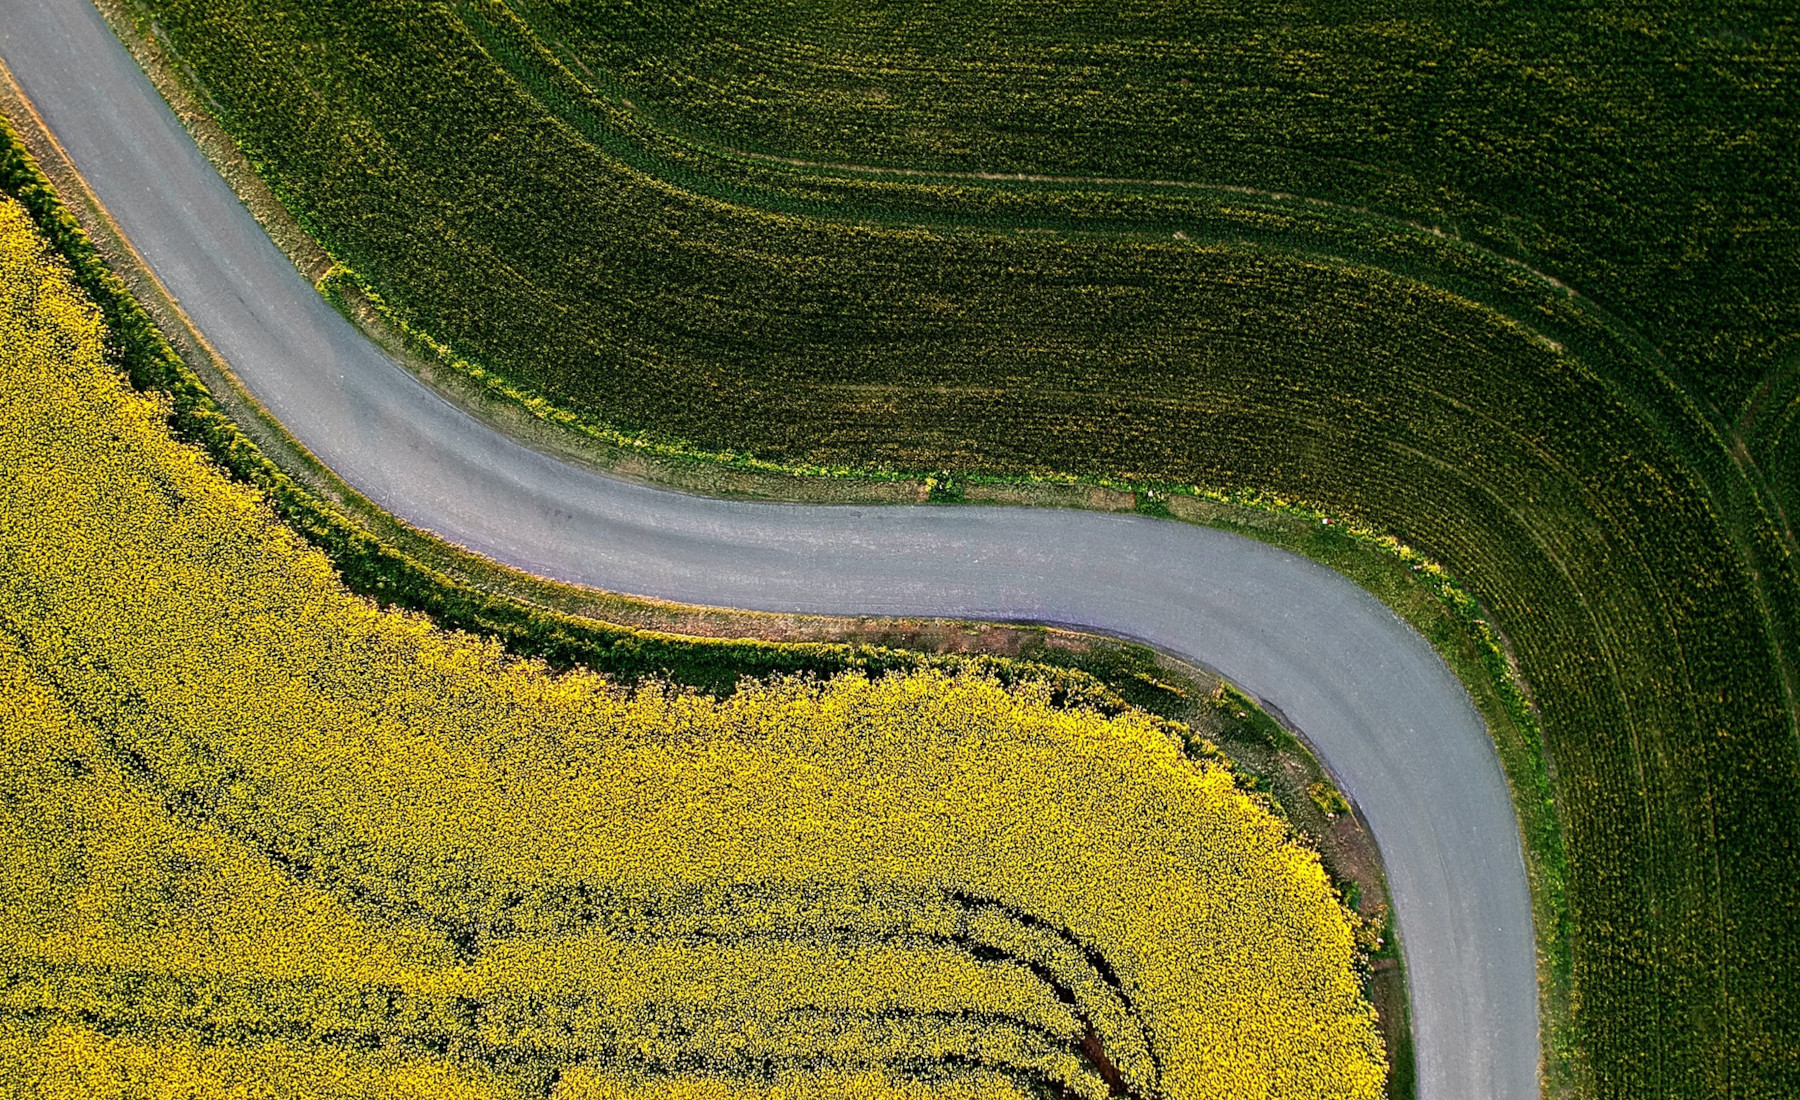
(1384, 712)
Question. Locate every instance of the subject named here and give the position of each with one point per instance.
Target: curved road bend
(1389, 719)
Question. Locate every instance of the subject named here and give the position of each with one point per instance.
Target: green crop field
(1518, 284)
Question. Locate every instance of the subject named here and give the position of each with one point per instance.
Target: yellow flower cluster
(255, 831)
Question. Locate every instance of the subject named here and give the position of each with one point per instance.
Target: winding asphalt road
(1389, 719)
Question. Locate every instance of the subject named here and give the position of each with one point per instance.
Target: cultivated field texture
(1516, 284)
(259, 835)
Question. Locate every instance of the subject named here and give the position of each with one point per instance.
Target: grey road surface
(1389, 719)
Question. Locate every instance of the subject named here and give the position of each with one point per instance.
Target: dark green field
(1519, 284)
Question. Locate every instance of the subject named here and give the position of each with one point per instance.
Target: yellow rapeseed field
(260, 839)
